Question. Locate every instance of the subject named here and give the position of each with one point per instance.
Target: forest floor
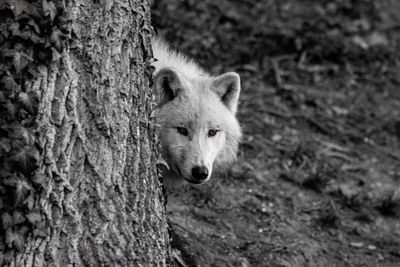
(317, 181)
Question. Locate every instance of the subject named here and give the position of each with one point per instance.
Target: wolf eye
(182, 131)
(212, 132)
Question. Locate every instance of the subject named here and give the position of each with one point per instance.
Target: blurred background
(317, 181)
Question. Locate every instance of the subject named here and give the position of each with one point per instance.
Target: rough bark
(95, 189)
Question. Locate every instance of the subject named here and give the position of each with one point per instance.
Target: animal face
(198, 128)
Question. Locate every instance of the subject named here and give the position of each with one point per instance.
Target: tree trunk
(78, 184)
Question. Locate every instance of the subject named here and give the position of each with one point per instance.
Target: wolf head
(198, 128)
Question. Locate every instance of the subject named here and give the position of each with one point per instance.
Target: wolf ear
(227, 87)
(167, 84)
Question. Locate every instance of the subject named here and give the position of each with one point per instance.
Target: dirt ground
(317, 181)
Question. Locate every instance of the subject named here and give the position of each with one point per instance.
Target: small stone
(276, 138)
(371, 247)
(357, 244)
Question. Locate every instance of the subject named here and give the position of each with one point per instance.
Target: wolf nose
(200, 173)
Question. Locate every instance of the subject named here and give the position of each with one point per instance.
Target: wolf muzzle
(200, 173)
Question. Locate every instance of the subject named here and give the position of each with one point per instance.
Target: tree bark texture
(94, 198)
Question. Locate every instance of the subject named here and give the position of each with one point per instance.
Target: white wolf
(196, 114)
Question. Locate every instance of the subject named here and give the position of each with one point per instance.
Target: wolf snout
(200, 173)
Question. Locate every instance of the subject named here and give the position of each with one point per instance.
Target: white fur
(167, 57)
(191, 98)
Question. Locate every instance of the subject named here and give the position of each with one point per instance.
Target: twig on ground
(315, 68)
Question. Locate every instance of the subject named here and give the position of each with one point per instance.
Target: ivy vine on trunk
(78, 182)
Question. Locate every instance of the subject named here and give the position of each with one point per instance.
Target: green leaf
(17, 62)
(34, 216)
(9, 237)
(6, 220)
(11, 180)
(14, 28)
(18, 242)
(4, 30)
(11, 111)
(24, 159)
(41, 229)
(20, 188)
(29, 101)
(30, 35)
(3, 99)
(23, 230)
(18, 217)
(24, 100)
(68, 16)
(55, 54)
(9, 83)
(39, 179)
(29, 201)
(49, 9)
(22, 16)
(20, 61)
(55, 38)
(5, 146)
(5, 52)
(33, 12)
(22, 133)
(34, 25)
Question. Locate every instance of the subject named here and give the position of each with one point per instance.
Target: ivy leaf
(29, 201)
(9, 237)
(55, 38)
(19, 62)
(34, 216)
(39, 179)
(22, 16)
(24, 159)
(41, 229)
(33, 12)
(5, 146)
(14, 28)
(39, 233)
(34, 25)
(16, 239)
(3, 99)
(9, 84)
(5, 52)
(19, 242)
(6, 220)
(3, 29)
(30, 35)
(29, 101)
(49, 9)
(33, 70)
(23, 230)
(20, 189)
(22, 133)
(55, 54)
(11, 111)
(18, 217)
(68, 16)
